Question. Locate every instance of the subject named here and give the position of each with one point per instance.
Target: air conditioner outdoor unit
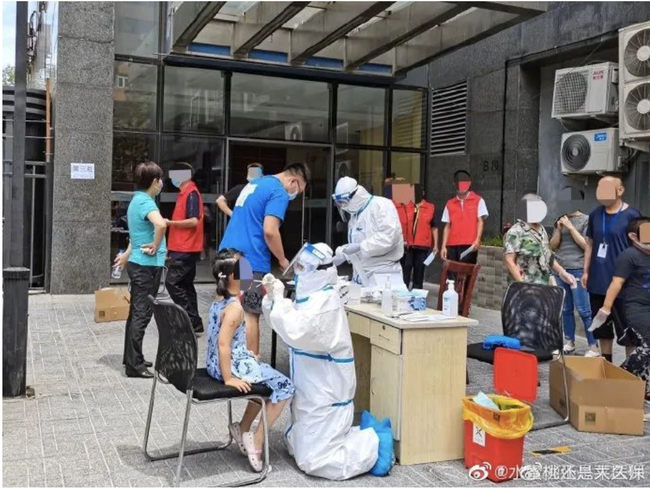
(634, 115)
(293, 132)
(590, 152)
(586, 92)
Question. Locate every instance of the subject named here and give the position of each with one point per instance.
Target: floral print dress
(244, 364)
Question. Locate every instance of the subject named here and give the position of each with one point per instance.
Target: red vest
(463, 220)
(186, 240)
(416, 226)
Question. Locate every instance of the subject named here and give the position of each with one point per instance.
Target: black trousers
(413, 263)
(616, 326)
(180, 285)
(145, 281)
(454, 252)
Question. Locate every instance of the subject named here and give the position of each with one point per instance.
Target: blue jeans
(578, 297)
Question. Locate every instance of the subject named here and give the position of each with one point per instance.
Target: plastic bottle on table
(450, 300)
(387, 298)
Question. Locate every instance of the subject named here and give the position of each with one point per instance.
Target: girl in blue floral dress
(230, 361)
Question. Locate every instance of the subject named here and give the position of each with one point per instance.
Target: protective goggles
(307, 259)
(343, 198)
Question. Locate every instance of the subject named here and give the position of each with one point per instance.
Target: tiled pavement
(85, 425)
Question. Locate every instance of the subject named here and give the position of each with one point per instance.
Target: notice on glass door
(82, 171)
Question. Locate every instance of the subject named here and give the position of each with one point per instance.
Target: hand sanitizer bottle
(450, 301)
(387, 299)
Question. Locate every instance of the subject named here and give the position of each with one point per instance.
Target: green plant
(496, 241)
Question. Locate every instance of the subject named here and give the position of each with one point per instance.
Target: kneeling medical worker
(321, 437)
(374, 232)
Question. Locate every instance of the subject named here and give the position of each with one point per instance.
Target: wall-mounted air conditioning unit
(293, 132)
(586, 92)
(590, 152)
(634, 114)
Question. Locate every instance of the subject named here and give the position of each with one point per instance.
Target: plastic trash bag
(513, 420)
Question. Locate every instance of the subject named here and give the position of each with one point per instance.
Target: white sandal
(235, 432)
(254, 455)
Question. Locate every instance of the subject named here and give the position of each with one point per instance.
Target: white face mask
(160, 188)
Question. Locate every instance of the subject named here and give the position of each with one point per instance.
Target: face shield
(307, 260)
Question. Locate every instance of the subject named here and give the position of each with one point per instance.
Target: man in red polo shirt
(185, 243)
(463, 218)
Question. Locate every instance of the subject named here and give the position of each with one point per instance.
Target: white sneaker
(592, 353)
(569, 348)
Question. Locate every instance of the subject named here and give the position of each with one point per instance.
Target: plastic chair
(533, 314)
(465, 276)
(176, 364)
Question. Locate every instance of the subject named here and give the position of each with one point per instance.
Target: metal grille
(449, 120)
(571, 92)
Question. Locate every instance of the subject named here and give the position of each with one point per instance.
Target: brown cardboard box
(603, 397)
(111, 304)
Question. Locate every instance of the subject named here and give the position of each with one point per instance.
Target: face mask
(293, 195)
(176, 183)
(160, 188)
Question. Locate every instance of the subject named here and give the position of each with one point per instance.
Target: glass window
(136, 28)
(279, 108)
(128, 151)
(408, 119)
(193, 100)
(406, 165)
(360, 115)
(134, 96)
(206, 157)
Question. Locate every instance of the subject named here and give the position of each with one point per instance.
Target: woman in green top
(144, 260)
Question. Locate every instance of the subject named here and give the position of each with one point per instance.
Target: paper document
(430, 259)
(465, 253)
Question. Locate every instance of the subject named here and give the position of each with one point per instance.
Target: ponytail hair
(222, 267)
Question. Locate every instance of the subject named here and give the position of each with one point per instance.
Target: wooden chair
(464, 276)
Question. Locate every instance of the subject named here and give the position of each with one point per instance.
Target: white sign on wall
(82, 171)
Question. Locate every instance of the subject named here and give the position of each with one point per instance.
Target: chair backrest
(533, 314)
(464, 276)
(177, 349)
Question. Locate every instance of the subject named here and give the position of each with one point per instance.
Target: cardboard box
(112, 304)
(603, 397)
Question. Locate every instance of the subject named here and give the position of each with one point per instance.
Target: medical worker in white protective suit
(374, 232)
(320, 437)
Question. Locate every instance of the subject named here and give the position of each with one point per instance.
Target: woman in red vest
(185, 243)
(420, 236)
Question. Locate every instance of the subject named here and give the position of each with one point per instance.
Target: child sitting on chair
(230, 361)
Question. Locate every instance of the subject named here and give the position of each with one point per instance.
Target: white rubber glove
(568, 278)
(267, 283)
(278, 290)
(351, 248)
(599, 320)
(339, 259)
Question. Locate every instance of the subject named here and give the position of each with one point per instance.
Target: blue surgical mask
(293, 195)
(176, 183)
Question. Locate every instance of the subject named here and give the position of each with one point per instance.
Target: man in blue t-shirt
(607, 238)
(254, 231)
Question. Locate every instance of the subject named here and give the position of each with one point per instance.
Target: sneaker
(556, 354)
(593, 352)
(569, 348)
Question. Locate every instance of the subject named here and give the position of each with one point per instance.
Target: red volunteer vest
(463, 220)
(186, 240)
(416, 227)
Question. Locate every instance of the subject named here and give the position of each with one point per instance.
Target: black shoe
(145, 373)
(199, 330)
(148, 364)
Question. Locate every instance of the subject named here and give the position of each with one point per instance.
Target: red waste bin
(494, 440)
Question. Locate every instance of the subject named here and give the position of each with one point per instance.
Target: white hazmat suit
(320, 437)
(374, 225)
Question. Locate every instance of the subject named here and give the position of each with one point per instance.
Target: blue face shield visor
(343, 199)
